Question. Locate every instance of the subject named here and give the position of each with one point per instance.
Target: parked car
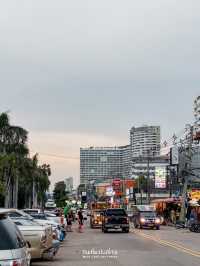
(39, 237)
(115, 219)
(52, 217)
(145, 216)
(15, 213)
(13, 247)
(32, 211)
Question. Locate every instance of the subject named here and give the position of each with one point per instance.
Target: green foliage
(141, 183)
(60, 194)
(19, 172)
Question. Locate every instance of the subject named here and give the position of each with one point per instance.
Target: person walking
(69, 221)
(80, 221)
(173, 216)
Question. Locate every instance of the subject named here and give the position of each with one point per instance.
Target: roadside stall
(194, 203)
(168, 208)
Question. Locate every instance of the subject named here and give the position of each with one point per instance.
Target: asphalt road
(139, 248)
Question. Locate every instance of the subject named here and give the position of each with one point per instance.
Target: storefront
(169, 209)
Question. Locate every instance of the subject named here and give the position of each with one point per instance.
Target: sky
(82, 73)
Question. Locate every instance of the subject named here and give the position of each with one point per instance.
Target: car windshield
(39, 216)
(25, 223)
(148, 214)
(116, 212)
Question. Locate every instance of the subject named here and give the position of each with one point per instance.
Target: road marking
(170, 244)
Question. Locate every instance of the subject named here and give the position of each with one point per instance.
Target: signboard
(130, 183)
(195, 195)
(160, 177)
(109, 191)
(101, 191)
(174, 155)
(117, 188)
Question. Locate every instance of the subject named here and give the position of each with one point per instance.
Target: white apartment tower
(197, 113)
(145, 140)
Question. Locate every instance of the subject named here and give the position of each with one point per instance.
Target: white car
(13, 247)
(39, 237)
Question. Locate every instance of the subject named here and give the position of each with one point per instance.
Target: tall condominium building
(69, 182)
(103, 163)
(145, 139)
(197, 118)
(125, 161)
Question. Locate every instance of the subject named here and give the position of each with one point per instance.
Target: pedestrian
(173, 216)
(69, 221)
(80, 221)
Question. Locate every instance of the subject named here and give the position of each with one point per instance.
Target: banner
(160, 177)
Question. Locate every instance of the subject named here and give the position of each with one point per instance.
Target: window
(116, 212)
(10, 236)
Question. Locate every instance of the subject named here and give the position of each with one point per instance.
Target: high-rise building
(197, 118)
(103, 163)
(125, 161)
(69, 182)
(145, 139)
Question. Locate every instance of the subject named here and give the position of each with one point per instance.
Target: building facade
(144, 139)
(126, 161)
(157, 170)
(69, 182)
(197, 118)
(104, 163)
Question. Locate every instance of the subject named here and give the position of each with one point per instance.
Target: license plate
(117, 227)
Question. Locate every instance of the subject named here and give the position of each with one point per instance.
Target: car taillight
(17, 263)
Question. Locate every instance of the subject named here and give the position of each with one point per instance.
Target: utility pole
(187, 173)
(148, 178)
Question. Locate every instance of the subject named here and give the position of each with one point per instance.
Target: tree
(60, 194)
(141, 183)
(22, 180)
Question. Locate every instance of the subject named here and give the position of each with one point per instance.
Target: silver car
(13, 250)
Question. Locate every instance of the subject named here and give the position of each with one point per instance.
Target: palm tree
(19, 172)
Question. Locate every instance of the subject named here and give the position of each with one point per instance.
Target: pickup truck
(115, 219)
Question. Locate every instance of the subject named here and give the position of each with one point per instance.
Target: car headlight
(143, 220)
(157, 221)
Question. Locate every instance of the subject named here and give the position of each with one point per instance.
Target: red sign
(117, 188)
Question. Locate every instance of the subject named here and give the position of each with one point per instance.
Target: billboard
(160, 177)
(109, 191)
(117, 187)
(174, 155)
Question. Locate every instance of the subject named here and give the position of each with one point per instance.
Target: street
(140, 247)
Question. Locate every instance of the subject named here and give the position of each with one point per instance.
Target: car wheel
(157, 227)
(141, 227)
